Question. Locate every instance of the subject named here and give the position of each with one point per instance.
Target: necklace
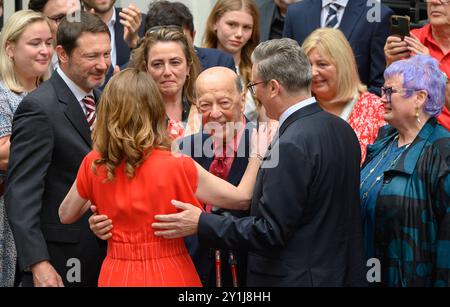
(383, 155)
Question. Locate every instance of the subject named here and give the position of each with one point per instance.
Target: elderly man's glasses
(251, 86)
(388, 91)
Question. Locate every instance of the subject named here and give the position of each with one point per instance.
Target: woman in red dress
(131, 176)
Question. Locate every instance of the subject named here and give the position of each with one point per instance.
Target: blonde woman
(233, 27)
(25, 54)
(337, 87)
(131, 175)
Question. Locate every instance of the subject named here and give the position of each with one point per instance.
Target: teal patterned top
(412, 214)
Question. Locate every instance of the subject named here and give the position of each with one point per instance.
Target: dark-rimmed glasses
(389, 90)
(251, 86)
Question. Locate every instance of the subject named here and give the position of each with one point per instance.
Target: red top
(136, 257)
(365, 119)
(426, 38)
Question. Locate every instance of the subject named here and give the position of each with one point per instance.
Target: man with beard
(51, 134)
(125, 26)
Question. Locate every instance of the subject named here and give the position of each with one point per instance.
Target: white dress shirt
(292, 109)
(75, 89)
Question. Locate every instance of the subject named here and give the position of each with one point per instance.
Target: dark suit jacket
(123, 52)
(266, 10)
(210, 57)
(50, 138)
(203, 256)
(305, 227)
(366, 38)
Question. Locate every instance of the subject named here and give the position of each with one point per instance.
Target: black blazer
(123, 52)
(305, 225)
(50, 138)
(366, 38)
(210, 57)
(202, 256)
(266, 11)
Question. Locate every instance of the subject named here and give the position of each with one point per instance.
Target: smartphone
(400, 25)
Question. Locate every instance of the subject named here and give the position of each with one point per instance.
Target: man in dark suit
(50, 137)
(305, 227)
(271, 18)
(125, 26)
(166, 13)
(365, 27)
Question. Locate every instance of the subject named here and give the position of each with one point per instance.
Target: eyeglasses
(440, 1)
(251, 86)
(388, 91)
(57, 18)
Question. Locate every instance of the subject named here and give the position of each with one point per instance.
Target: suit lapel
(313, 18)
(73, 110)
(352, 14)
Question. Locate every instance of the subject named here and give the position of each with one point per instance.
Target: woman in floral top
(337, 87)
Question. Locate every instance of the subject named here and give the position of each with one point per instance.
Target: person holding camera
(432, 39)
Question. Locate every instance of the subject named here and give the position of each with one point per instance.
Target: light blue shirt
(292, 109)
(325, 9)
(75, 89)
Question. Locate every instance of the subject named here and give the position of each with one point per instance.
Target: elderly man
(304, 228)
(432, 39)
(223, 148)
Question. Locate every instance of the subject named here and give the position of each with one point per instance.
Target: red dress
(136, 257)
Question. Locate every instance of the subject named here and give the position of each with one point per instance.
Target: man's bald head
(220, 98)
(222, 74)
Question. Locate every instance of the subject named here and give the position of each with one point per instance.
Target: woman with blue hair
(405, 181)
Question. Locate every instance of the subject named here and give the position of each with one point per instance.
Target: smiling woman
(337, 87)
(26, 47)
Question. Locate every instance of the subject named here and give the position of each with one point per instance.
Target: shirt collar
(342, 3)
(292, 109)
(75, 89)
(113, 19)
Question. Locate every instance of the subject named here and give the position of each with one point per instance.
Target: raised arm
(220, 193)
(73, 206)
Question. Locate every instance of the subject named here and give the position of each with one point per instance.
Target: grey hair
(285, 61)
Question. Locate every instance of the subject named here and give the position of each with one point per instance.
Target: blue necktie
(332, 20)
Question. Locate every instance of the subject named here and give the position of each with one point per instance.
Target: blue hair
(421, 72)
